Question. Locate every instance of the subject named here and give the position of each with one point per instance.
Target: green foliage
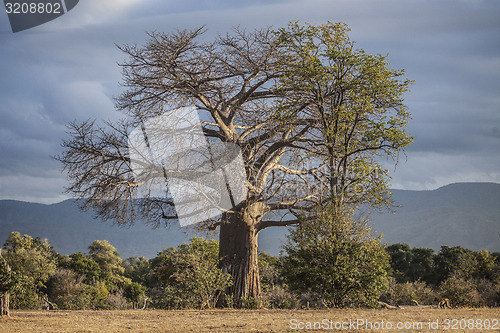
(331, 260)
(23, 293)
(467, 278)
(334, 257)
(134, 293)
(356, 103)
(192, 278)
(269, 271)
(32, 262)
(97, 294)
(460, 291)
(84, 266)
(6, 282)
(35, 260)
(138, 269)
(410, 265)
(109, 261)
(455, 261)
(250, 303)
(69, 291)
(486, 267)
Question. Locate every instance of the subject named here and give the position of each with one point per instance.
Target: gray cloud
(67, 69)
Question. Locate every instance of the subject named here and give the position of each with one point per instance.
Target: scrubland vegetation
(350, 272)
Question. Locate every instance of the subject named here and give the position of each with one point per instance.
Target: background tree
(302, 144)
(412, 264)
(138, 269)
(65, 289)
(422, 265)
(33, 262)
(455, 261)
(275, 292)
(83, 265)
(487, 266)
(270, 268)
(134, 292)
(335, 257)
(109, 261)
(401, 257)
(5, 285)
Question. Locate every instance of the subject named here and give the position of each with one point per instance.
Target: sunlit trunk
(4, 304)
(238, 253)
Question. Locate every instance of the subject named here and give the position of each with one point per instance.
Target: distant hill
(466, 214)
(70, 230)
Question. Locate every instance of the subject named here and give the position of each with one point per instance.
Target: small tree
(133, 292)
(33, 261)
(191, 275)
(486, 267)
(335, 257)
(109, 261)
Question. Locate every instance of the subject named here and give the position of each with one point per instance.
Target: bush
(269, 271)
(280, 298)
(134, 293)
(251, 303)
(191, 277)
(117, 301)
(460, 291)
(335, 258)
(406, 293)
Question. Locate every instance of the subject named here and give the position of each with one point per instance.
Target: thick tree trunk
(238, 250)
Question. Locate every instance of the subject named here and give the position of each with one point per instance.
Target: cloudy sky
(67, 70)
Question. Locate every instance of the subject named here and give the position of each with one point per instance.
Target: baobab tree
(308, 112)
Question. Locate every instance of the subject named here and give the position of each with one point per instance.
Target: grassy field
(416, 319)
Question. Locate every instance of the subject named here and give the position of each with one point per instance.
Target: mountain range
(465, 214)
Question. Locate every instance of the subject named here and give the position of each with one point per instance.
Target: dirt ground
(410, 319)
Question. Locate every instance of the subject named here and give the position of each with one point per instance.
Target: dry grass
(236, 320)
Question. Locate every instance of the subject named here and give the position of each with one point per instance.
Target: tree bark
(5, 298)
(238, 252)
(4, 304)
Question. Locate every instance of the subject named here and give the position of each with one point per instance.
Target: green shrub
(190, 276)
(334, 257)
(251, 303)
